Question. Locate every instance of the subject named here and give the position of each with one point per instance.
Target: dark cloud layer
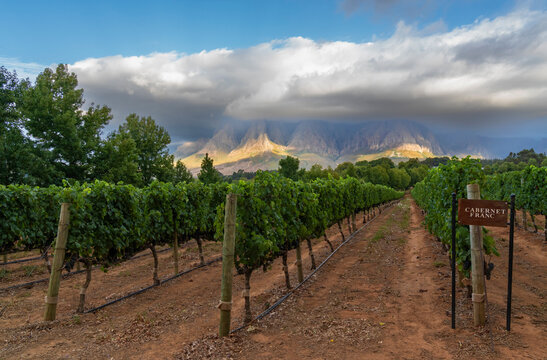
(491, 71)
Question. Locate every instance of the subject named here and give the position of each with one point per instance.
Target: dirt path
(415, 309)
(386, 295)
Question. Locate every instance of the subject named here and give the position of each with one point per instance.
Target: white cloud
(23, 70)
(491, 69)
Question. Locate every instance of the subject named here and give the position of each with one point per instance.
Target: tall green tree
(117, 160)
(151, 140)
(67, 136)
(398, 178)
(346, 169)
(182, 174)
(288, 167)
(208, 174)
(18, 161)
(378, 175)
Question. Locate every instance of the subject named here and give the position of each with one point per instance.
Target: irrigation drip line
(64, 276)
(284, 297)
(34, 282)
(28, 259)
(95, 309)
(22, 260)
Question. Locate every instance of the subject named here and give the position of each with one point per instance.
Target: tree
(208, 174)
(410, 164)
(151, 140)
(288, 167)
(66, 136)
(378, 175)
(417, 174)
(435, 161)
(387, 163)
(525, 155)
(315, 172)
(398, 178)
(182, 174)
(346, 169)
(117, 160)
(20, 162)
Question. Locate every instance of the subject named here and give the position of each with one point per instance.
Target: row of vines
(109, 223)
(529, 187)
(434, 196)
(274, 214)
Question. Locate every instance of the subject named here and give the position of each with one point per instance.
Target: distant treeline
(383, 171)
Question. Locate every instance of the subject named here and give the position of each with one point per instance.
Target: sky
(452, 65)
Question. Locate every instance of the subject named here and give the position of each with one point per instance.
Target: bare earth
(385, 295)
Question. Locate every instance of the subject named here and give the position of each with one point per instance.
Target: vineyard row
(433, 195)
(111, 222)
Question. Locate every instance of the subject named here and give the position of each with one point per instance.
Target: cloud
(23, 70)
(488, 71)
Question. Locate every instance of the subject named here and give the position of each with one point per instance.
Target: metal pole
(453, 260)
(510, 271)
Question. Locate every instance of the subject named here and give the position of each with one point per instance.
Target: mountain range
(253, 145)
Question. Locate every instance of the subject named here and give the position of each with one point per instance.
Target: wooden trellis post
(58, 261)
(477, 263)
(228, 249)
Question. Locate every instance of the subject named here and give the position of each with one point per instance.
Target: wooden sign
(482, 212)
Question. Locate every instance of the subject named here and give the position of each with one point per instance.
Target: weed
(76, 320)
(32, 269)
(439, 264)
(378, 235)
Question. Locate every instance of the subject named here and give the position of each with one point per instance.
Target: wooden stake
(477, 263)
(299, 271)
(5, 258)
(228, 246)
(349, 225)
(353, 222)
(58, 261)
